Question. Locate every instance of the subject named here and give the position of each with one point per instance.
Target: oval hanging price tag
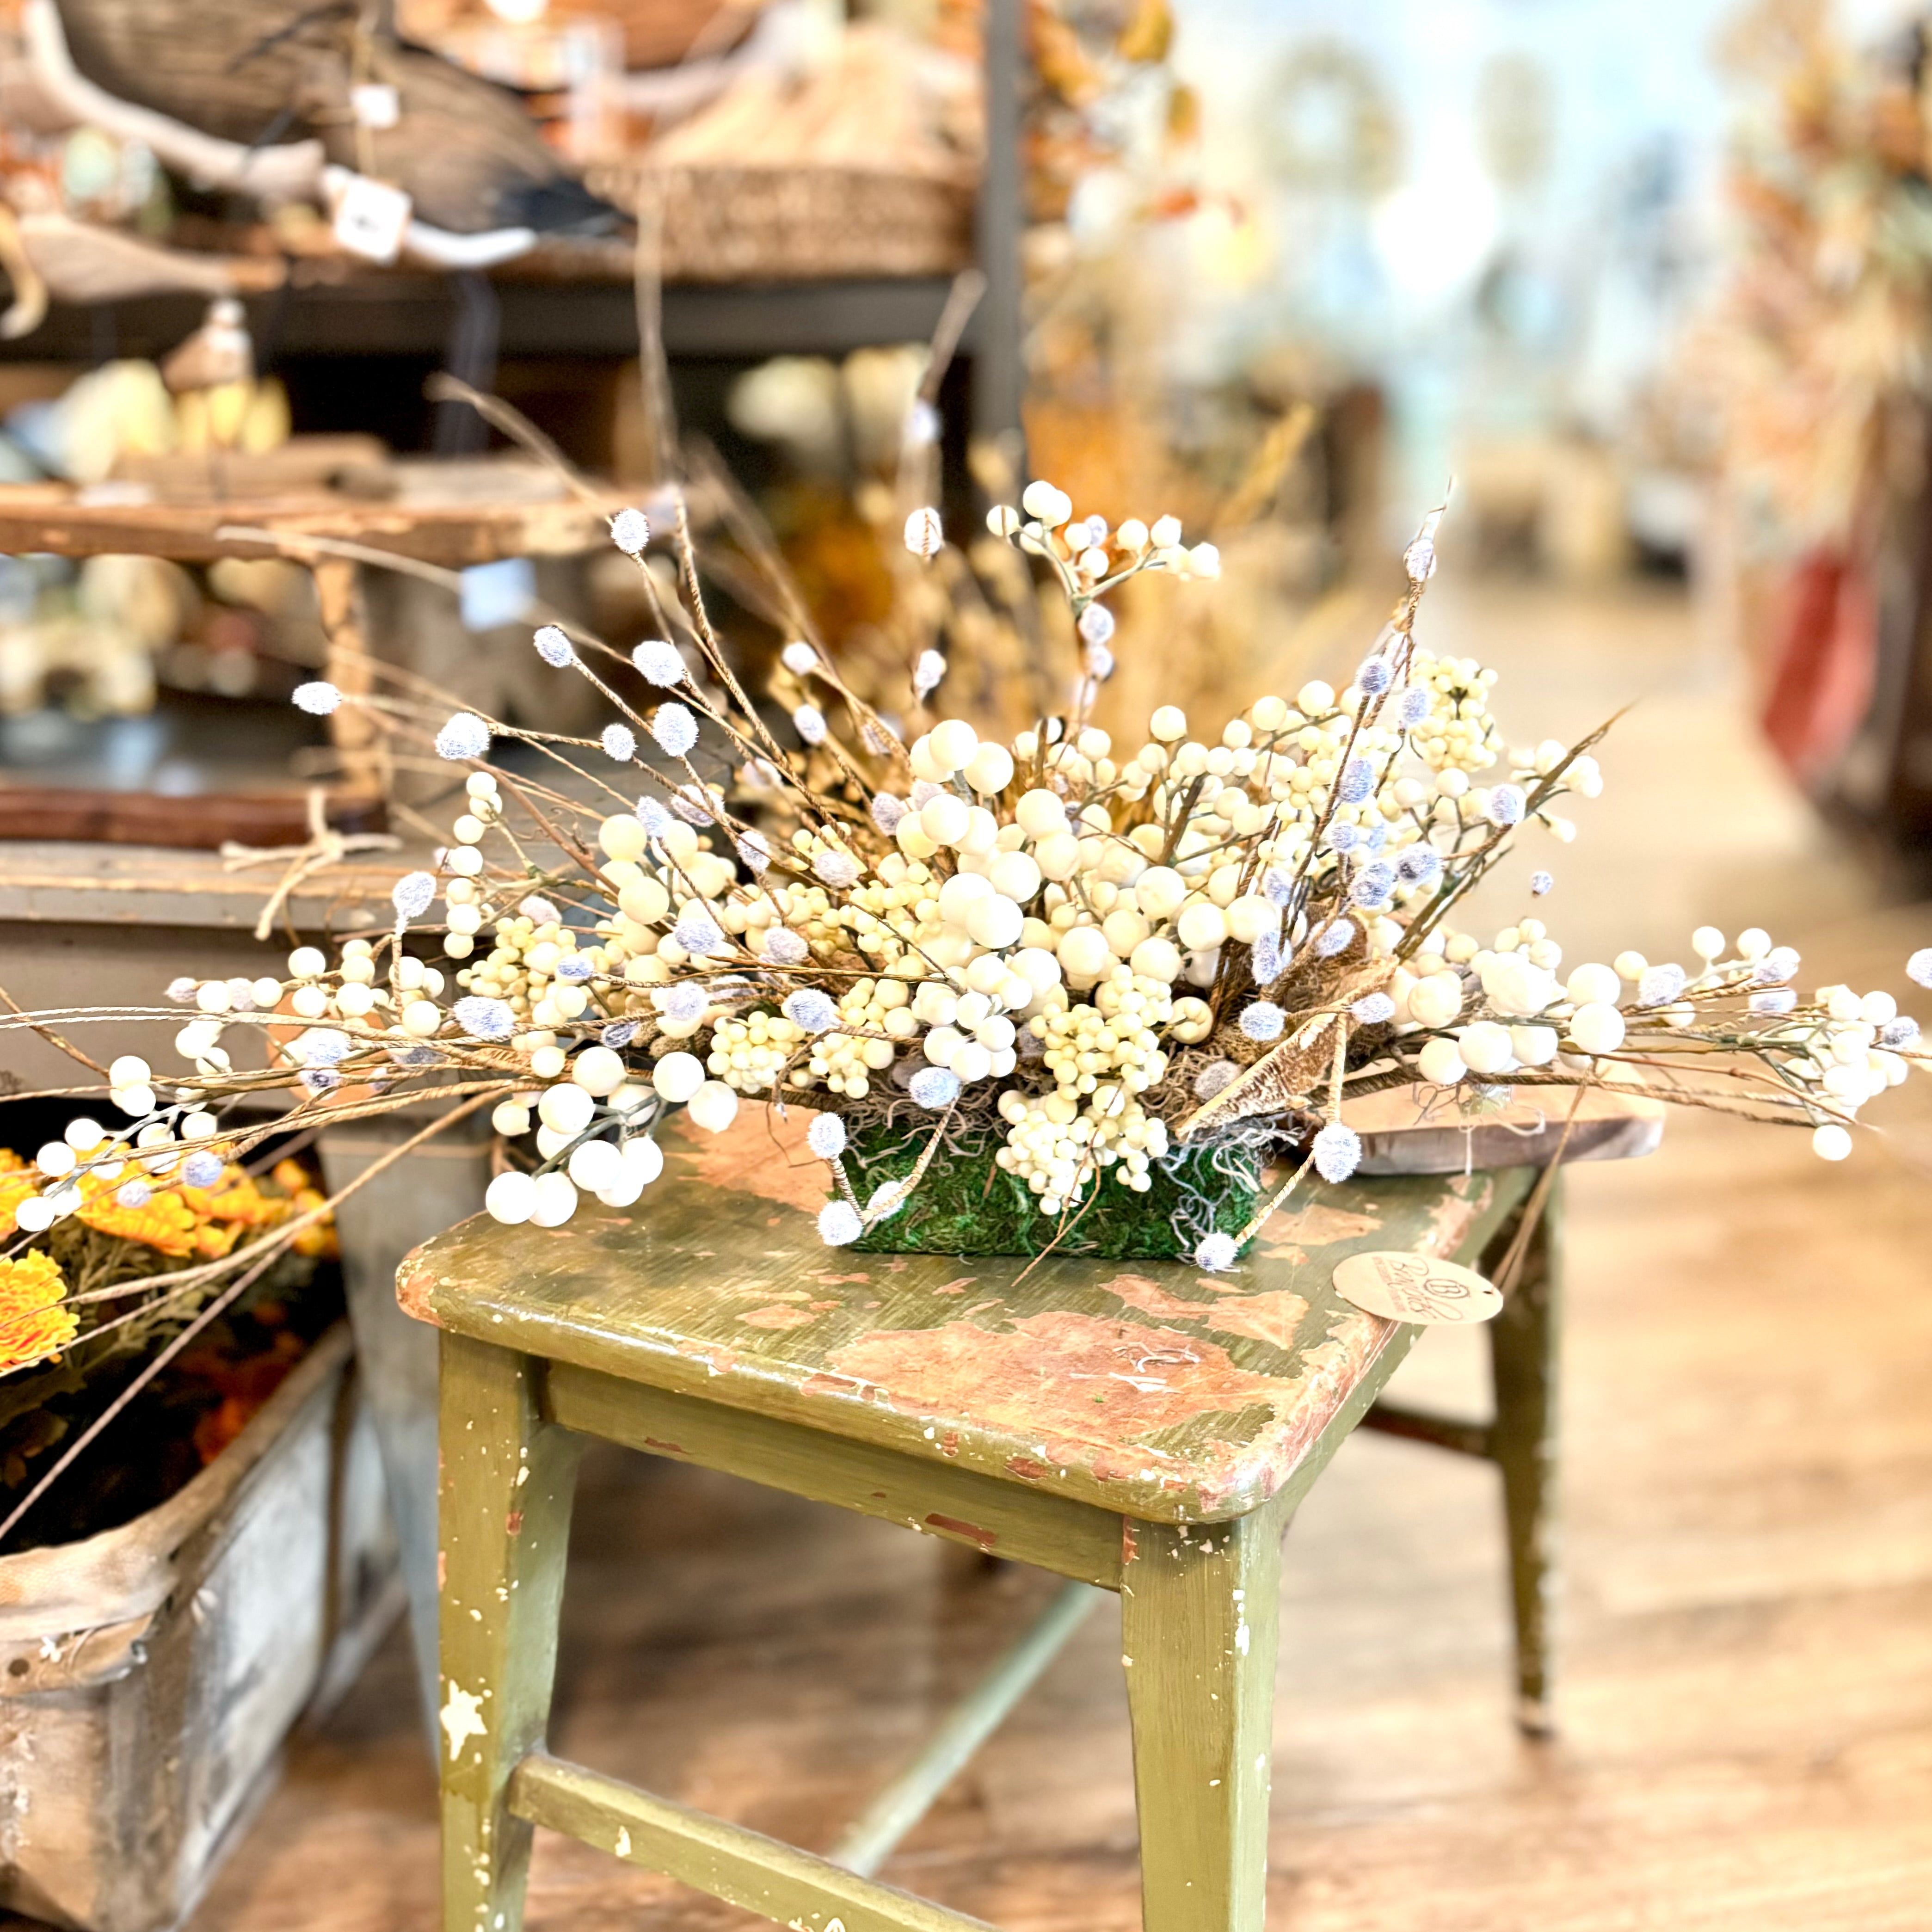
(1405, 1287)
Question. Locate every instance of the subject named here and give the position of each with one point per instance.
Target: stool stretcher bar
(744, 1868)
(873, 1836)
(1443, 1432)
(1002, 1518)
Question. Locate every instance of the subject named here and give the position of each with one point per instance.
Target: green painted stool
(1140, 1428)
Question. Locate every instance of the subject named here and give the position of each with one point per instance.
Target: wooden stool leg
(1198, 1616)
(504, 1521)
(1522, 1354)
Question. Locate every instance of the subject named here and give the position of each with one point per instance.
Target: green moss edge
(966, 1204)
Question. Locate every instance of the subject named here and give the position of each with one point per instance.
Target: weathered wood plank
(1004, 1519)
(1403, 1133)
(1144, 1388)
(746, 1868)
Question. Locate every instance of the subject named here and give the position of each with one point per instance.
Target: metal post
(998, 378)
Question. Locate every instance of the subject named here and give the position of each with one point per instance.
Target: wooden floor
(1747, 1701)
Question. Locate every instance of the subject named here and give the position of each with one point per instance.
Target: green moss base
(966, 1204)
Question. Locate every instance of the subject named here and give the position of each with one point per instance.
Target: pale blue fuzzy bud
(412, 894)
(1099, 662)
(934, 1087)
(202, 1170)
(1507, 804)
(683, 1004)
(1779, 964)
(318, 698)
(1775, 1000)
(466, 736)
(1539, 882)
(1374, 677)
(839, 1225)
(1335, 937)
(322, 1046)
(631, 531)
(553, 647)
(1357, 780)
(1919, 967)
(826, 1136)
(1264, 1020)
(620, 742)
(483, 1019)
(1217, 1252)
(755, 849)
(1264, 958)
(657, 821)
(539, 911)
(1338, 1153)
(319, 1079)
(1372, 1009)
(1373, 883)
(421, 1054)
(808, 721)
(1277, 887)
(887, 811)
(674, 728)
(692, 803)
(699, 934)
(810, 1008)
(927, 673)
(1096, 624)
(1660, 985)
(1903, 1031)
(659, 662)
(1419, 866)
(133, 1194)
(1213, 1078)
(1412, 707)
(1344, 837)
(618, 1033)
(838, 869)
(182, 990)
(785, 948)
(574, 968)
(924, 791)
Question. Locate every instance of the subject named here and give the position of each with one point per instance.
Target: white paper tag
(370, 217)
(375, 104)
(1405, 1287)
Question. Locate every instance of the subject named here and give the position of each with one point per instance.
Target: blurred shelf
(411, 315)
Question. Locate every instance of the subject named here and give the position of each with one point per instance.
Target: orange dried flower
(165, 1222)
(17, 1180)
(34, 1322)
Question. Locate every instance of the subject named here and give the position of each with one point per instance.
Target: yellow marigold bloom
(17, 1180)
(165, 1223)
(214, 1238)
(34, 1324)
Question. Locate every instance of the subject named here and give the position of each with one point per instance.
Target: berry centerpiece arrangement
(1056, 993)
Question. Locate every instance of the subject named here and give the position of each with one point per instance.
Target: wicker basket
(727, 224)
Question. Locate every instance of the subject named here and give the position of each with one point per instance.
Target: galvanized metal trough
(148, 1675)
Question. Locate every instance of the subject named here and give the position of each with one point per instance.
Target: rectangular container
(148, 1675)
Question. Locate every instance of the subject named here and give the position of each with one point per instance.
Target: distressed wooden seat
(1138, 1427)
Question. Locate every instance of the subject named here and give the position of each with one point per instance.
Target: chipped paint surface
(1155, 1390)
(462, 1719)
(1275, 1315)
(414, 1284)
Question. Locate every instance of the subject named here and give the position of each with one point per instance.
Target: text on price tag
(1405, 1287)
